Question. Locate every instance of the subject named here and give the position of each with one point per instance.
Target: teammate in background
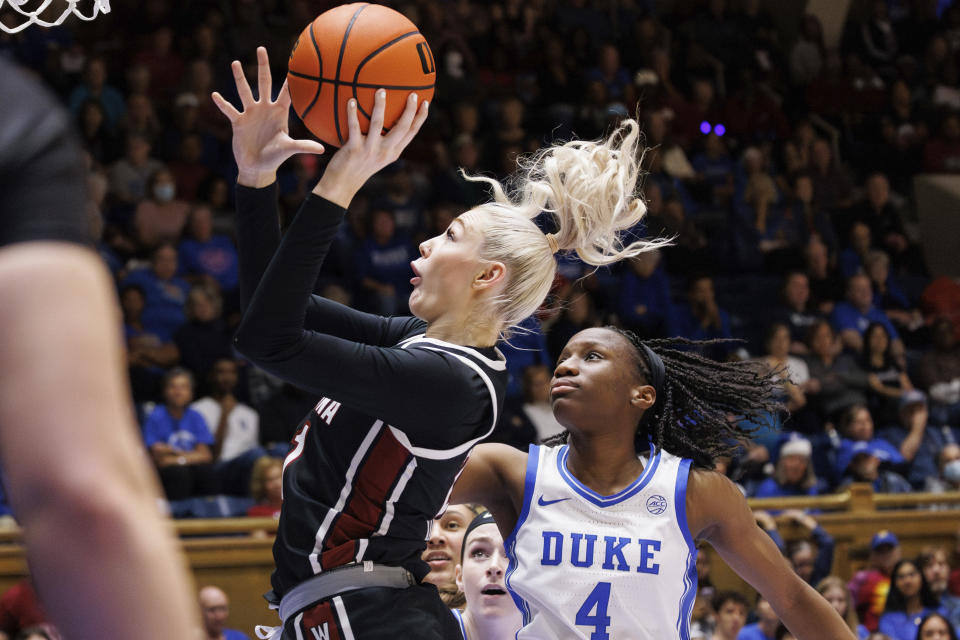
(490, 613)
(75, 468)
(444, 550)
(603, 522)
(402, 400)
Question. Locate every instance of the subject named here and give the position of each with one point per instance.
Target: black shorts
(376, 613)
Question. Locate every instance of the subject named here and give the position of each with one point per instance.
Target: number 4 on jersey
(596, 602)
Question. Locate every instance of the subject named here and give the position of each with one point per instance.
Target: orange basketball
(351, 51)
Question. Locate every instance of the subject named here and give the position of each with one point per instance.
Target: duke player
(602, 525)
(74, 464)
(401, 400)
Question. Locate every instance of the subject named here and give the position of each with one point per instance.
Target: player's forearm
(77, 478)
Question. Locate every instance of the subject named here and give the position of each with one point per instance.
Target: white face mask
(951, 472)
(164, 192)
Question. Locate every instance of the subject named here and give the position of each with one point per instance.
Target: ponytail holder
(552, 241)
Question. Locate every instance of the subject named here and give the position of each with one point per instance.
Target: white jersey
(593, 567)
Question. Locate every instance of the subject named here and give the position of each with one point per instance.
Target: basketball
(349, 52)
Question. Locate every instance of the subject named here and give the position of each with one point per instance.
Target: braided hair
(702, 402)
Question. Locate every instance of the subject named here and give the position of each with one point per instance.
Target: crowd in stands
(782, 167)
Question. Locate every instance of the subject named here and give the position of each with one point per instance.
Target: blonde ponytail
(591, 191)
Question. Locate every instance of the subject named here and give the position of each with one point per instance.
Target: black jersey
(374, 461)
(41, 165)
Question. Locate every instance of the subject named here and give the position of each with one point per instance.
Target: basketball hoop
(33, 16)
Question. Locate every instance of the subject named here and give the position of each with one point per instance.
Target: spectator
(188, 169)
(266, 487)
(383, 266)
(98, 138)
(939, 373)
(731, 614)
(808, 216)
(825, 289)
(765, 628)
(807, 54)
(908, 600)
(936, 572)
(444, 549)
(948, 465)
(160, 217)
(165, 293)
(859, 241)
(856, 426)
(95, 88)
(831, 186)
(793, 474)
(129, 175)
(179, 441)
(869, 586)
(942, 153)
(936, 627)
(837, 380)
(867, 462)
(141, 118)
(215, 608)
(852, 317)
(148, 356)
(203, 338)
(888, 296)
(778, 358)
(578, 312)
(795, 310)
(886, 376)
(234, 426)
(206, 254)
(881, 211)
(811, 561)
(529, 419)
(644, 300)
(920, 442)
(836, 593)
(701, 318)
(715, 169)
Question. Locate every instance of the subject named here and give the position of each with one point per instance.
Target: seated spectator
(887, 294)
(936, 571)
(795, 310)
(160, 216)
(530, 418)
(644, 301)
(765, 628)
(731, 614)
(908, 601)
(204, 338)
(128, 176)
(578, 312)
(95, 87)
(825, 289)
(851, 317)
(700, 317)
(836, 380)
(148, 356)
(948, 466)
(179, 441)
(811, 561)
(383, 266)
(869, 586)
(165, 293)
(836, 593)
(96, 135)
(205, 254)
(234, 427)
(215, 609)
(939, 373)
(934, 626)
(919, 440)
(525, 347)
(861, 462)
(886, 375)
(809, 217)
(796, 373)
(266, 487)
(189, 170)
(859, 241)
(880, 211)
(715, 169)
(793, 474)
(831, 185)
(857, 426)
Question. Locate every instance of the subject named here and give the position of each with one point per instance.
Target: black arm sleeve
(258, 236)
(42, 177)
(428, 394)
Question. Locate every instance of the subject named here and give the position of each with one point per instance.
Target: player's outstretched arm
(103, 559)
(493, 476)
(718, 513)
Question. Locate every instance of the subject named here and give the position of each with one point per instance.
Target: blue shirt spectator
(207, 254)
(851, 317)
(700, 317)
(165, 293)
(644, 302)
(183, 434)
(383, 266)
(527, 346)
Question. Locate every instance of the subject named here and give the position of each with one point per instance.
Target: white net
(24, 16)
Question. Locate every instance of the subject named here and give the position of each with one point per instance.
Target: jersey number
(596, 601)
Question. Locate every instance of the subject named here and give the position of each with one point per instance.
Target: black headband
(657, 374)
(484, 518)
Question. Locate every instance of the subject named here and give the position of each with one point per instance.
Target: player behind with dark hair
(604, 521)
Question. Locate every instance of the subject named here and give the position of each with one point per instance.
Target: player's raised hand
(261, 138)
(363, 155)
